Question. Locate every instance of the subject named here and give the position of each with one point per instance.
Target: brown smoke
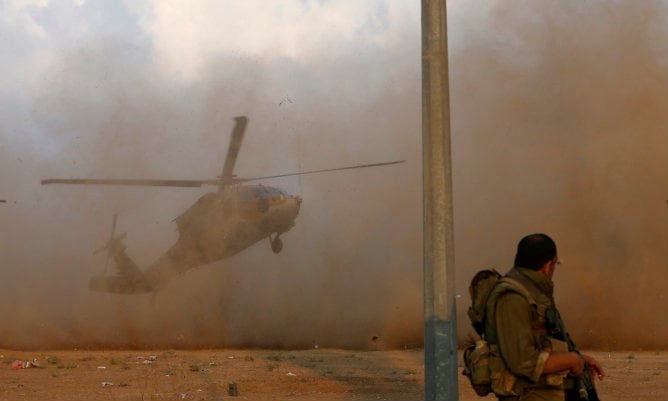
(558, 125)
(335, 280)
(560, 119)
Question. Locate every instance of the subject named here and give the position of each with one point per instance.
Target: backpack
(482, 364)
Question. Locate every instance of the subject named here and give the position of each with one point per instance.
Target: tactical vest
(504, 382)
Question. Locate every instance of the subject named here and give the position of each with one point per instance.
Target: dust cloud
(558, 124)
(559, 121)
(108, 115)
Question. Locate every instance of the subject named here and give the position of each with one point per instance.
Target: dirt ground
(317, 374)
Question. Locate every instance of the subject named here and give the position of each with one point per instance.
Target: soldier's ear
(547, 268)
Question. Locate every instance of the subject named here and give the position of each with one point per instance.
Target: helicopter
(218, 225)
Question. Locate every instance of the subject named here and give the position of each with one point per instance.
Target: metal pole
(440, 338)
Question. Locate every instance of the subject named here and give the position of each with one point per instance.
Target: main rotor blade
(136, 182)
(196, 183)
(320, 171)
(233, 150)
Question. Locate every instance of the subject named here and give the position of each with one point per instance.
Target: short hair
(534, 251)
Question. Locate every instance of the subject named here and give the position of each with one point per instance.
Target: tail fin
(129, 280)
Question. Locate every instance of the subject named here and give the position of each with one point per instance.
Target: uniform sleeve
(516, 339)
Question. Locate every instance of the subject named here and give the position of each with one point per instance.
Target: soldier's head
(534, 251)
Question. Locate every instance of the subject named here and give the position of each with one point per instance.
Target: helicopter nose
(297, 204)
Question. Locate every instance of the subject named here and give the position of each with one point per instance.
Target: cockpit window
(259, 191)
(248, 194)
(274, 191)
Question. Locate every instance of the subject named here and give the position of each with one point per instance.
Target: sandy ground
(318, 374)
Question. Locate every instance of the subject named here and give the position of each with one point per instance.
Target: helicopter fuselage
(222, 224)
(217, 226)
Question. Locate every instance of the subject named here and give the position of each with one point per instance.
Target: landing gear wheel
(276, 245)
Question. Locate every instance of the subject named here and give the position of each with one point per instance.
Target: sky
(558, 126)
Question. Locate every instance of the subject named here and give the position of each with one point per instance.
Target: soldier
(538, 361)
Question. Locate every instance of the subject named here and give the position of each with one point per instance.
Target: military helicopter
(218, 225)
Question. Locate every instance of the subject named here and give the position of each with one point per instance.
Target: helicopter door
(200, 210)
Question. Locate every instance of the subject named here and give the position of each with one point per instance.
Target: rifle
(584, 389)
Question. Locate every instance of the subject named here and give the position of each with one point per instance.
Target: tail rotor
(114, 244)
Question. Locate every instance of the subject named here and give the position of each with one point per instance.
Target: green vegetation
(53, 361)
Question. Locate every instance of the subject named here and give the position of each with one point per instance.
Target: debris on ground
(18, 364)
